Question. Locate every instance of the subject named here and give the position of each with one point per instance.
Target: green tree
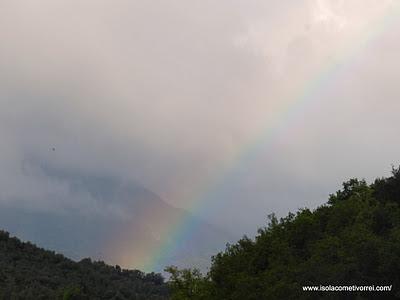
(188, 284)
(354, 239)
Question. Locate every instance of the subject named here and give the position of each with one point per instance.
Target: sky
(199, 101)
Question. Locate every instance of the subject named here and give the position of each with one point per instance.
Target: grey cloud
(166, 94)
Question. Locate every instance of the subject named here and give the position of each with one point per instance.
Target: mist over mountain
(169, 95)
(140, 132)
(118, 222)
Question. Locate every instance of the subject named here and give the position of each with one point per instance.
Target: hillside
(113, 220)
(354, 239)
(29, 272)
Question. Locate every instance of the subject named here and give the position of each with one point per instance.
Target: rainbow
(294, 107)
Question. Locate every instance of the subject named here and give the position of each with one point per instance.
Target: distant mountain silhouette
(127, 224)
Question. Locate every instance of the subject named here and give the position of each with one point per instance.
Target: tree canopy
(354, 239)
(29, 272)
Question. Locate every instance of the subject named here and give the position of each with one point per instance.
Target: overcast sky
(169, 94)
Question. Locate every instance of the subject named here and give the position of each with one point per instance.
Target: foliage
(353, 239)
(28, 272)
(187, 284)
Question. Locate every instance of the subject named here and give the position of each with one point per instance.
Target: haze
(171, 95)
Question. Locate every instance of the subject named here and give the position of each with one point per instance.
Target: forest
(29, 272)
(353, 239)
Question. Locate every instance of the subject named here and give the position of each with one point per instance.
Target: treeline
(28, 272)
(354, 239)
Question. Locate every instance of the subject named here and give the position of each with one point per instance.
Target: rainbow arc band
(184, 227)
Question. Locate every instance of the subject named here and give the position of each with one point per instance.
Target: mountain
(29, 272)
(348, 248)
(115, 221)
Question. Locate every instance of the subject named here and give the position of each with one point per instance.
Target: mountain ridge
(122, 225)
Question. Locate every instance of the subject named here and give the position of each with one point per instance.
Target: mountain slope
(353, 240)
(28, 272)
(115, 221)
